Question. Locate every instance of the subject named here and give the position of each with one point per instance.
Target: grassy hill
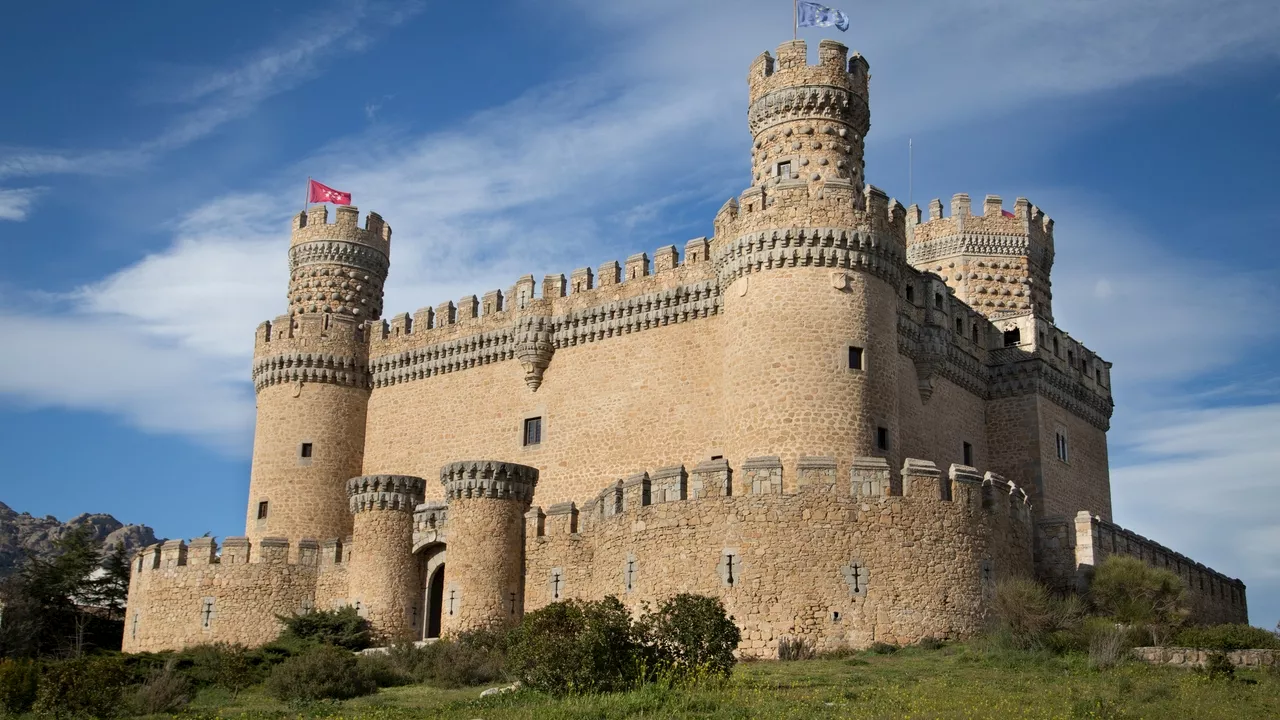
(956, 681)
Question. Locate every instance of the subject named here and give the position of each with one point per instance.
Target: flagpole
(911, 165)
(306, 197)
(795, 19)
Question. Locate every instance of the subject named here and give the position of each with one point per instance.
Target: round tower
(487, 500)
(810, 259)
(383, 577)
(311, 374)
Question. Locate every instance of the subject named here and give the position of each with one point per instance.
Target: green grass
(954, 682)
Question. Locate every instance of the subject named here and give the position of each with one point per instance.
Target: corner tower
(311, 374)
(809, 260)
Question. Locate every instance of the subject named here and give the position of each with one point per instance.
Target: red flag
(1006, 213)
(318, 193)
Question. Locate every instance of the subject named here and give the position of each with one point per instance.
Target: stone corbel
(931, 355)
(534, 349)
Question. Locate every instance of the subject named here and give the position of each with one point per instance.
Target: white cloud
(15, 204)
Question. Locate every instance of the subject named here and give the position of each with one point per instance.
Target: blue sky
(152, 152)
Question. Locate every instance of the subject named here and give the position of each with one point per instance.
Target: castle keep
(845, 418)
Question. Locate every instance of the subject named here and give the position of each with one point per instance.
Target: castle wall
(1083, 481)
(938, 430)
(182, 595)
(785, 564)
(626, 399)
(1069, 549)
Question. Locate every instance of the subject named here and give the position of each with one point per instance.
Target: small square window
(968, 454)
(1013, 338)
(855, 358)
(262, 510)
(304, 450)
(532, 431)
(784, 169)
(882, 438)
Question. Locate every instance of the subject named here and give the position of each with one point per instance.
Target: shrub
(1108, 647)
(325, 672)
(18, 682)
(82, 687)
(690, 635)
(929, 642)
(1028, 615)
(383, 670)
(882, 648)
(1128, 590)
(471, 658)
(795, 649)
(343, 628)
(166, 691)
(577, 647)
(1226, 637)
(1219, 667)
(230, 667)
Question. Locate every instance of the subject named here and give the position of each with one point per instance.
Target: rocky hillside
(23, 532)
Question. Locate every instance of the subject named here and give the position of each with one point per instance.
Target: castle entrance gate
(432, 563)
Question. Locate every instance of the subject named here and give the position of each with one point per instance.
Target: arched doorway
(432, 597)
(435, 602)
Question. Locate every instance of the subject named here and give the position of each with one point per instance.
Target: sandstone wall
(385, 581)
(785, 564)
(182, 595)
(1067, 551)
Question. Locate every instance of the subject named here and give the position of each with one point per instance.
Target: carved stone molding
(488, 479)
(385, 492)
(534, 348)
(297, 368)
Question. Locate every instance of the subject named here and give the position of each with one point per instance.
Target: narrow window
(1012, 338)
(206, 613)
(1098, 375)
(305, 450)
(1062, 447)
(937, 300)
(532, 431)
(855, 358)
(882, 438)
(262, 510)
(911, 294)
(784, 169)
(968, 454)
(1055, 348)
(959, 326)
(975, 332)
(1071, 359)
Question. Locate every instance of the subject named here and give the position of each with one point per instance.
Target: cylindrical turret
(810, 260)
(809, 122)
(311, 374)
(487, 501)
(383, 575)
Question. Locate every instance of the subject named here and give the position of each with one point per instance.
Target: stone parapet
(488, 479)
(1196, 657)
(385, 492)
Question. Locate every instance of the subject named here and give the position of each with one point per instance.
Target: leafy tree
(692, 635)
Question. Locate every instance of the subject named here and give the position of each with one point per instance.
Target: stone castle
(844, 419)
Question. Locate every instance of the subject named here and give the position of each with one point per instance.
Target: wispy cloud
(222, 96)
(15, 204)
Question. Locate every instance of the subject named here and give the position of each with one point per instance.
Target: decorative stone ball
(823, 161)
(795, 145)
(815, 177)
(788, 132)
(843, 132)
(804, 161)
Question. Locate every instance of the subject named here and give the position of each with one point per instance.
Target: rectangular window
(262, 510)
(1098, 375)
(968, 454)
(959, 326)
(784, 170)
(305, 450)
(1062, 447)
(532, 431)
(882, 438)
(855, 358)
(1013, 338)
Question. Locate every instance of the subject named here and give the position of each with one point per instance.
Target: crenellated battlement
(790, 68)
(168, 557)
(385, 492)
(488, 479)
(312, 225)
(870, 479)
(321, 348)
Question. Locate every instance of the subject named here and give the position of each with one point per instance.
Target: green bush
(384, 671)
(343, 628)
(690, 636)
(1226, 637)
(882, 648)
(577, 647)
(18, 682)
(790, 649)
(166, 691)
(83, 687)
(230, 667)
(471, 658)
(1219, 667)
(1030, 617)
(1131, 592)
(326, 672)
(929, 642)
